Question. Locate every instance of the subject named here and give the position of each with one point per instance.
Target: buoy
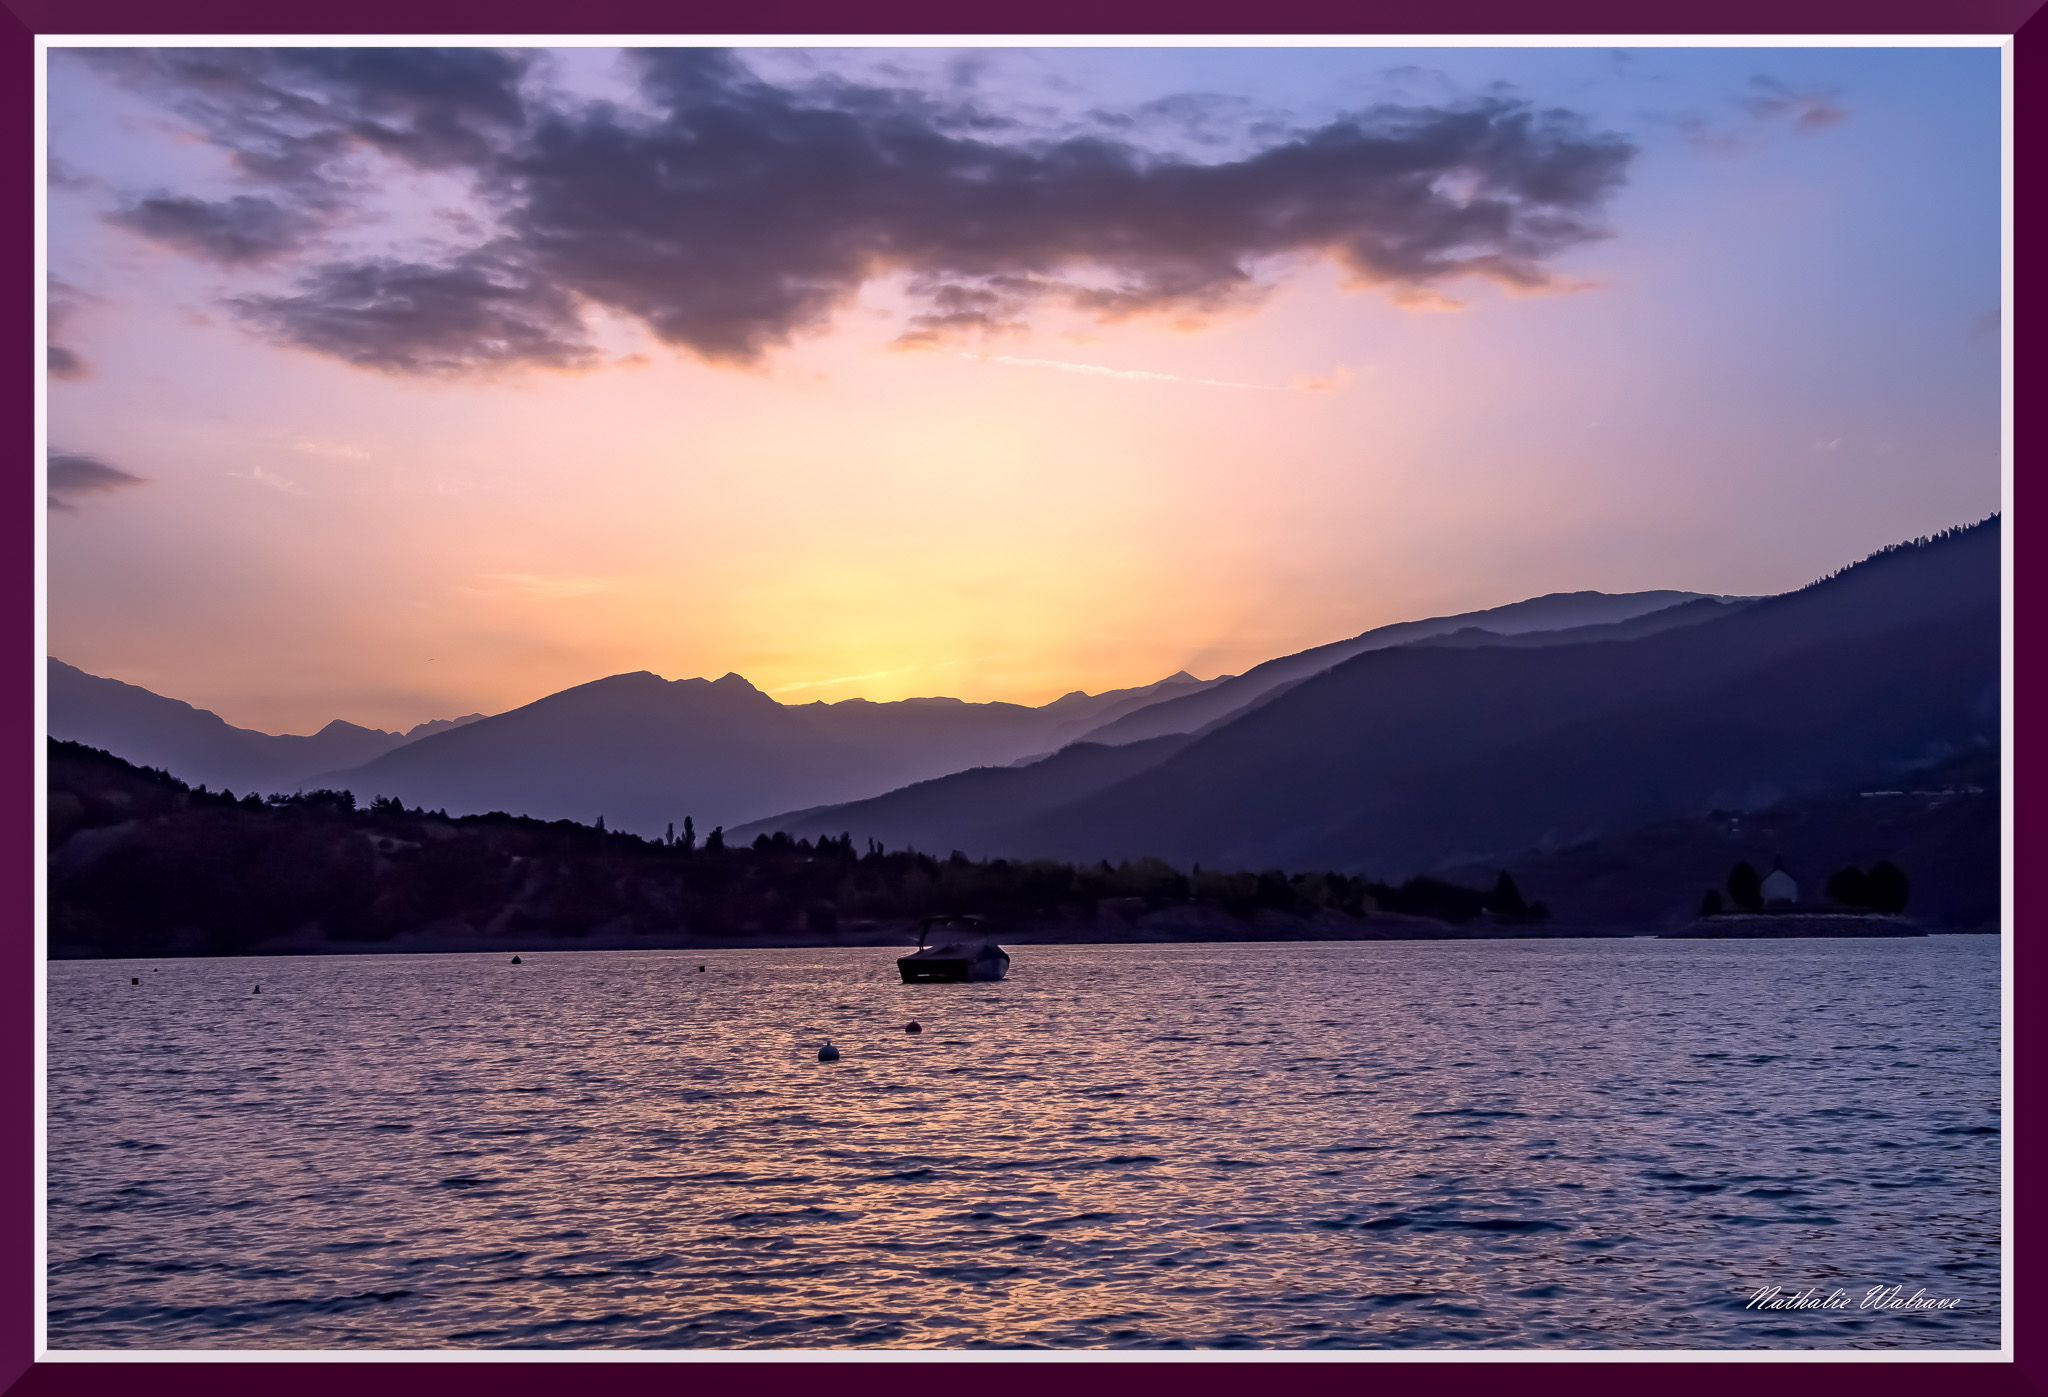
(700, 970)
(828, 1053)
(913, 1027)
(516, 960)
(257, 990)
(134, 979)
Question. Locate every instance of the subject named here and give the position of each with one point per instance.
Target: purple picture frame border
(22, 20)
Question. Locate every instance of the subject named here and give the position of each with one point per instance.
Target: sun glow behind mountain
(1099, 453)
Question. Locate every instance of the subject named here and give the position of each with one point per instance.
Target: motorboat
(959, 949)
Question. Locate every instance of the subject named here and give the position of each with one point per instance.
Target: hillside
(141, 865)
(970, 810)
(1941, 826)
(1556, 613)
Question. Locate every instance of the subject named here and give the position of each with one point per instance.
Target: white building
(1779, 886)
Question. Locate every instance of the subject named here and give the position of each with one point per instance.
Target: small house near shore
(1779, 887)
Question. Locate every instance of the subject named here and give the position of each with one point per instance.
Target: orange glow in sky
(1070, 503)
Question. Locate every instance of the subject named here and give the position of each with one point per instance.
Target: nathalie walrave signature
(1877, 1297)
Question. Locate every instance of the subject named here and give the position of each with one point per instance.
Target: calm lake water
(1350, 1145)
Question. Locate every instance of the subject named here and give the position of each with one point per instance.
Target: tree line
(1883, 889)
(172, 869)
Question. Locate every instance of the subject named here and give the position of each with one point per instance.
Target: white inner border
(986, 41)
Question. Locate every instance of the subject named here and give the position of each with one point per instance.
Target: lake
(1581, 1144)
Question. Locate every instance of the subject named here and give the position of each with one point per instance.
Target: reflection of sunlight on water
(1563, 1143)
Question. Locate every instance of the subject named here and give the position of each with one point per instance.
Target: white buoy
(828, 1053)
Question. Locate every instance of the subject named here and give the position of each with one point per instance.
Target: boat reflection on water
(960, 949)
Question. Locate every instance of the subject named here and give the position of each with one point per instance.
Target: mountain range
(1447, 742)
(200, 747)
(643, 752)
(1540, 619)
(1467, 747)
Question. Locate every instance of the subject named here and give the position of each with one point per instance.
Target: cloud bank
(1764, 100)
(729, 215)
(62, 361)
(73, 476)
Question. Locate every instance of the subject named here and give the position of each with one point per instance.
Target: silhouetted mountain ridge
(1554, 612)
(643, 751)
(1407, 757)
(200, 746)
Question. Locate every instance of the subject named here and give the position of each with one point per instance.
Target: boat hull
(926, 968)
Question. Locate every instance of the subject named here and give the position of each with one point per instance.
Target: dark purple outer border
(20, 20)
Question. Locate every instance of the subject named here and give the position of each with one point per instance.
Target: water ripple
(1456, 1144)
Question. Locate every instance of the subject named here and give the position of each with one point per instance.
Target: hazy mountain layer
(643, 752)
(1670, 618)
(201, 748)
(1556, 612)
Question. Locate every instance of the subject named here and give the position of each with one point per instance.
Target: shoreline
(1268, 928)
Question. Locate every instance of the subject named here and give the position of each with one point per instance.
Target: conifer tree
(1887, 887)
(1745, 889)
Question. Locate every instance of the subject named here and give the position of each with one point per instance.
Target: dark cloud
(966, 310)
(746, 215)
(733, 214)
(411, 318)
(242, 229)
(292, 119)
(1814, 109)
(62, 306)
(72, 476)
(1208, 121)
(284, 112)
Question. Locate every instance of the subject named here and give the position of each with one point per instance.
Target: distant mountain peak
(434, 725)
(337, 726)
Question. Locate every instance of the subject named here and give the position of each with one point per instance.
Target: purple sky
(390, 385)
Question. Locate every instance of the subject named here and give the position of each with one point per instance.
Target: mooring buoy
(913, 1027)
(828, 1053)
(517, 961)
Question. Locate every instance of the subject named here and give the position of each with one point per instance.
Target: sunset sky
(397, 384)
